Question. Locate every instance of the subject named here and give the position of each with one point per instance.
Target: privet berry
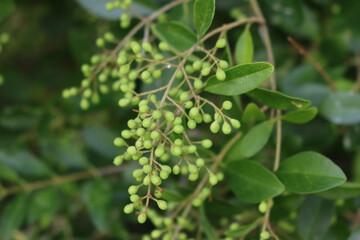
(220, 74)
(221, 43)
(265, 235)
(142, 218)
(263, 207)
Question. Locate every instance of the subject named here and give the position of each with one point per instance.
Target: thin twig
(357, 82)
(317, 65)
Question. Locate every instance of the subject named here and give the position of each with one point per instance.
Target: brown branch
(317, 65)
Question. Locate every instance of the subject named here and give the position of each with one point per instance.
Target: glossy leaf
(252, 113)
(255, 139)
(207, 228)
(344, 191)
(278, 100)
(341, 108)
(252, 182)
(243, 230)
(314, 218)
(204, 11)
(244, 49)
(309, 172)
(12, 216)
(300, 116)
(8, 173)
(178, 36)
(240, 79)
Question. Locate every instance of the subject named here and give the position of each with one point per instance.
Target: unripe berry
(146, 180)
(194, 112)
(148, 144)
(220, 74)
(135, 47)
(189, 69)
(124, 102)
(133, 189)
(121, 60)
(176, 169)
(142, 218)
(147, 169)
(164, 175)
(164, 46)
(155, 180)
(192, 168)
(265, 235)
(204, 192)
(166, 168)
(143, 161)
(124, 69)
(169, 116)
(215, 127)
(213, 179)
(197, 65)
(134, 198)
(176, 151)
(146, 122)
(140, 131)
(159, 151)
(263, 207)
(192, 149)
(200, 162)
(207, 118)
(198, 84)
(155, 135)
(221, 43)
(131, 150)
(158, 57)
(179, 75)
(189, 104)
(191, 124)
(155, 234)
(133, 75)
(132, 124)
(100, 42)
(205, 71)
(129, 208)
(145, 75)
(118, 160)
(223, 64)
(206, 143)
(184, 96)
(197, 202)
(84, 104)
(157, 73)
(193, 176)
(226, 128)
(178, 129)
(147, 47)
(178, 121)
(162, 204)
(235, 123)
(119, 142)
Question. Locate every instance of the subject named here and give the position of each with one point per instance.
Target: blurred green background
(44, 137)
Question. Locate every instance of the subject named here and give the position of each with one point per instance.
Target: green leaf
(207, 228)
(204, 11)
(300, 116)
(8, 174)
(252, 182)
(25, 163)
(244, 230)
(244, 48)
(255, 139)
(240, 79)
(12, 216)
(172, 196)
(309, 172)
(97, 197)
(278, 100)
(341, 108)
(178, 36)
(252, 113)
(344, 191)
(314, 218)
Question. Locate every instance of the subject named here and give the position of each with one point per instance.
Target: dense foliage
(184, 119)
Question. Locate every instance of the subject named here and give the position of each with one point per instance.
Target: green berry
(100, 42)
(121, 60)
(146, 122)
(198, 84)
(189, 69)
(155, 234)
(179, 75)
(145, 75)
(207, 118)
(129, 208)
(223, 64)
(147, 47)
(226, 128)
(124, 69)
(84, 104)
(192, 168)
(200, 162)
(155, 135)
(142, 218)
(184, 96)
(164, 175)
(197, 65)
(148, 144)
(146, 180)
(215, 127)
(119, 142)
(135, 47)
(206, 143)
(156, 114)
(263, 207)
(191, 124)
(235, 123)
(157, 73)
(178, 121)
(220, 74)
(147, 169)
(176, 170)
(162, 204)
(194, 112)
(155, 180)
(192, 149)
(169, 116)
(265, 235)
(193, 176)
(118, 160)
(134, 198)
(206, 71)
(178, 129)
(143, 161)
(197, 202)
(227, 105)
(213, 179)
(133, 189)
(131, 150)
(164, 46)
(176, 150)
(221, 43)
(189, 104)
(159, 151)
